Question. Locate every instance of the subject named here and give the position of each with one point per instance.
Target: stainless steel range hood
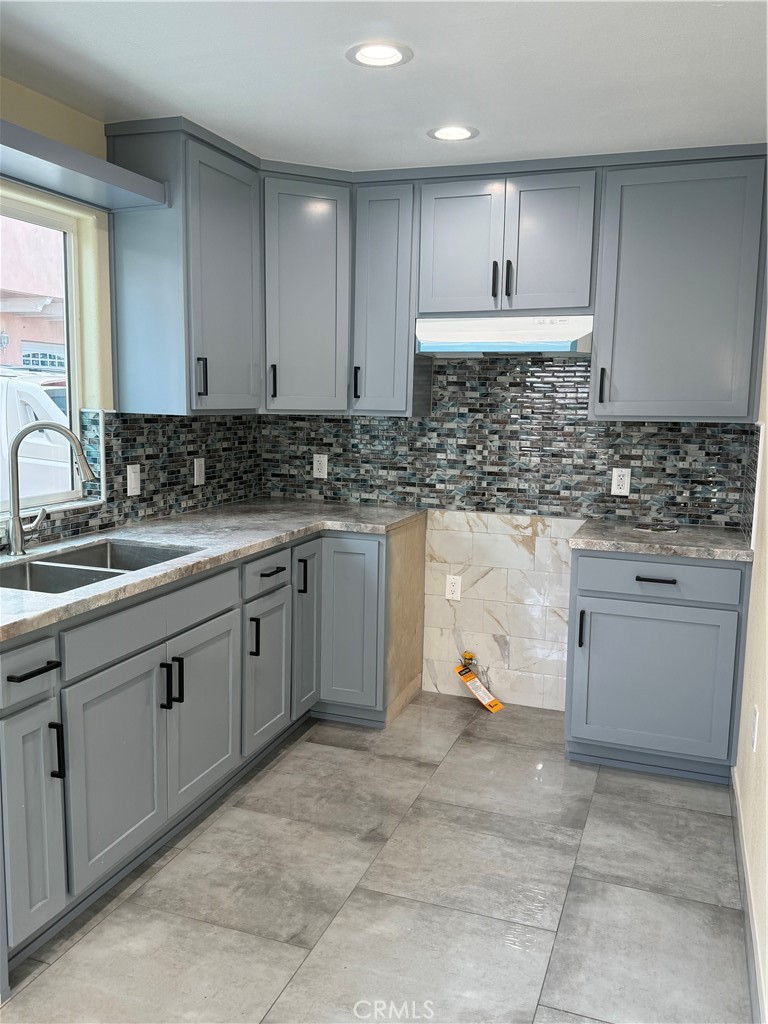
(502, 336)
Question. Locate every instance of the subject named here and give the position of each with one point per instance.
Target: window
(55, 354)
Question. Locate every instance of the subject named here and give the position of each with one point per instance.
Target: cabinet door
(223, 268)
(676, 292)
(33, 820)
(548, 240)
(383, 332)
(267, 669)
(204, 727)
(653, 676)
(351, 625)
(462, 241)
(117, 792)
(307, 268)
(307, 599)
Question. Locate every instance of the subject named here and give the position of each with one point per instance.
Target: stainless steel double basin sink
(104, 560)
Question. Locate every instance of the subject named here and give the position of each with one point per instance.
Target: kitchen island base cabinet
(307, 600)
(266, 669)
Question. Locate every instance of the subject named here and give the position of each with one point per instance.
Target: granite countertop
(687, 542)
(220, 535)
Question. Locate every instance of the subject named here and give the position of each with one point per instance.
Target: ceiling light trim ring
(390, 55)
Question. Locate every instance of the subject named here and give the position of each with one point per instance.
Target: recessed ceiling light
(379, 55)
(453, 133)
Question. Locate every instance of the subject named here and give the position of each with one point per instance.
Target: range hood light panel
(512, 335)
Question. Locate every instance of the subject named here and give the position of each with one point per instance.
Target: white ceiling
(539, 79)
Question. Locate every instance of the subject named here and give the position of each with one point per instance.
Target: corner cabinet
(677, 308)
(307, 295)
(186, 281)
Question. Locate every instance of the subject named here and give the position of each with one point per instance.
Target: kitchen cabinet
(677, 292)
(307, 602)
(307, 289)
(383, 341)
(186, 281)
(267, 669)
(507, 243)
(33, 818)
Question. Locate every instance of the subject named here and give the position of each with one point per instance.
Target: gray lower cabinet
(678, 276)
(307, 602)
(351, 611)
(116, 785)
(203, 730)
(33, 826)
(266, 669)
(307, 279)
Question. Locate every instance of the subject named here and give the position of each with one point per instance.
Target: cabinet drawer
(27, 662)
(266, 574)
(669, 580)
(202, 601)
(113, 638)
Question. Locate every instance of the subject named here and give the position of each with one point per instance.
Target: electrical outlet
(134, 480)
(199, 472)
(453, 588)
(320, 467)
(620, 481)
(755, 721)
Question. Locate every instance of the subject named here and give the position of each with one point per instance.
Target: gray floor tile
(457, 966)
(508, 779)
(341, 788)
(547, 1015)
(142, 966)
(492, 864)
(420, 733)
(670, 850)
(467, 706)
(664, 789)
(271, 876)
(528, 727)
(624, 955)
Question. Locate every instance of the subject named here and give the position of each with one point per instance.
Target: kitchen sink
(123, 555)
(51, 579)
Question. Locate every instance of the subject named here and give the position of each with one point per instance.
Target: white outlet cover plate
(133, 483)
(453, 588)
(320, 467)
(620, 479)
(199, 471)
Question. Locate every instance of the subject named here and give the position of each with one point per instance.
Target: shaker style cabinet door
(383, 331)
(224, 286)
(677, 291)
(307, 598)
(307, 275)
(266, 669)
(33, 819)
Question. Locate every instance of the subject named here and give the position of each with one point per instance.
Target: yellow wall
(41, 114)
(751, 772)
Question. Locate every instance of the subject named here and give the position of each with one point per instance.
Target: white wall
(47, 116)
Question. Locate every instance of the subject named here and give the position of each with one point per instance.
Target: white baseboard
(754, 966)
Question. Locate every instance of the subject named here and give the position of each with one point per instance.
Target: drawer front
(266, 574)
(202, 601)
(113, 638)
(669, 580)
(25, 672)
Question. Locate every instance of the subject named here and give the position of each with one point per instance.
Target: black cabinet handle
(508, 279)
(203, 360)
(180, 698)
(495, 280)
(656, 579)
(273, 572)
(60, 770)
(49, 666)
(167, 667)
(256, 652)
(356, 382)
(601, 391)
(273, 371)
(582, 615)
(303, 564)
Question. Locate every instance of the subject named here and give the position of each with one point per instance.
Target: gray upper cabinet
(267, 669)
(507, 244)
(186, 281)
(307, 600)
(33, 819)
(307, 295)
(383, 333)
(677, 292)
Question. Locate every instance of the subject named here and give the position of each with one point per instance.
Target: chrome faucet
(17, 531)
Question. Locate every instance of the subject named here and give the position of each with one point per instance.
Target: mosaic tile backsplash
(505, 435)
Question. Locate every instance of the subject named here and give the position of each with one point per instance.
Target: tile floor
(452, 868)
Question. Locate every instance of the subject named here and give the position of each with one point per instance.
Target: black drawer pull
(601, 392)
(60, 771)
(582, 615)
(256, 652)
(203, 360)
(356, 384)
(303, 563)
(273, 572)
(655, 579)
(273, 371)
(495, 280)
(180, 698)
(508, 279)
(49, 666)
(167, 667)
